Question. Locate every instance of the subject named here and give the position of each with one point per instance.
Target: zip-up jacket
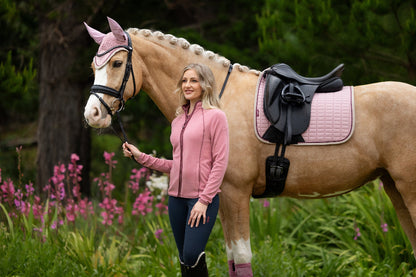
(200, 154)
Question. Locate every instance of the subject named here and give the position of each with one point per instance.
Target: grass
(357, 234)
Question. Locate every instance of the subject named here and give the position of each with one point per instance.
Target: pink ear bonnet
(108, 43)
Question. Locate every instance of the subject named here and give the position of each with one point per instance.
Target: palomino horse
(381, 145)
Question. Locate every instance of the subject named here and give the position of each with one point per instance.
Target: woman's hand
(199, 210)
(130, 150)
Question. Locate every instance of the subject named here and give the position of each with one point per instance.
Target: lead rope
(124, 138)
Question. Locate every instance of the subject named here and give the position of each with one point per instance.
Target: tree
(375, 39)
(52, 34)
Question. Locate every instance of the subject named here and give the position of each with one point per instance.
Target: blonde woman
(199, 137)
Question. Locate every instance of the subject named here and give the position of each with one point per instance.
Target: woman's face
(191, 86)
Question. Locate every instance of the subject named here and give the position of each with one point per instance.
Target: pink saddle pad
(332, 116)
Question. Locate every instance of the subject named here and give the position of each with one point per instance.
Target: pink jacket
(200, 154)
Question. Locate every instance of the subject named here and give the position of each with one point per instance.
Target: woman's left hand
(199, 210)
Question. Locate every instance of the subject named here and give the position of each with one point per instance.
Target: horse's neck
(161, 68)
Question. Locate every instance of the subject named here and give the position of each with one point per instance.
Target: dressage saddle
(287, 106)
(287, 100)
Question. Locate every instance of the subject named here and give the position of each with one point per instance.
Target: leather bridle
(119, 95)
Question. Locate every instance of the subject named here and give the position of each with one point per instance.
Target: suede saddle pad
(332, 116)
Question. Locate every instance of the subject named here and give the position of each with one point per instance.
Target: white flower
(158, 183)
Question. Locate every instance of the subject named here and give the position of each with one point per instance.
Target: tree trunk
(61, 130)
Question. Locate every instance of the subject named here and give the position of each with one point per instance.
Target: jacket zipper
(187, 118)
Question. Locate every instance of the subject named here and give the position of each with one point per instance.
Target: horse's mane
(160, 37)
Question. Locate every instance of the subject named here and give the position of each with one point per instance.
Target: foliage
(375, 39)
(18, 91)
(357, 234)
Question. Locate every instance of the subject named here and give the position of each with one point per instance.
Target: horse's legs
(234, 214)
(403, 209)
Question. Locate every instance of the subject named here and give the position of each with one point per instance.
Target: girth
(287, 105)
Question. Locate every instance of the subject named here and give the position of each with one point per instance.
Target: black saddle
(287, 100)
(287, 105)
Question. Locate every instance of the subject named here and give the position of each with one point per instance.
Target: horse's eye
(117, 63)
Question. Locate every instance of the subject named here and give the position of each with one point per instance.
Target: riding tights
(190, 241)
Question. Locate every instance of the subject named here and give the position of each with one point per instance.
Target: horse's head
(114, 79)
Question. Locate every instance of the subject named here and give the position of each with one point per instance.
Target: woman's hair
(206, 79)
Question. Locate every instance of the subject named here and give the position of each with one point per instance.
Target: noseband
(95, 89)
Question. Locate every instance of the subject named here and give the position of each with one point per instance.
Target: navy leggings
(191, 241)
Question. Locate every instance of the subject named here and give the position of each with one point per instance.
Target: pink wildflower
(158, 235)
(75, 170)
(357, 234)
(266, 203)
(110, 209)
(384, 227)
(143, 203)
(162, 207)
(85, 208)
(7, 191)
(29, 189)
(108, 159)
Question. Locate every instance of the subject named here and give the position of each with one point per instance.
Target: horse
(381, 146)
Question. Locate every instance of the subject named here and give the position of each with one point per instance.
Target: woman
(199, 137)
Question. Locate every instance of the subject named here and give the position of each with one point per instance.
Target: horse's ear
(96, 35)
(116, 29)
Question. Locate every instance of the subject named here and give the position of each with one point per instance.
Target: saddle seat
(285, 70)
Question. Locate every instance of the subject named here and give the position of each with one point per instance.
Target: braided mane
(161, 38)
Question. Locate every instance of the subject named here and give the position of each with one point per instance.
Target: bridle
(119, 95)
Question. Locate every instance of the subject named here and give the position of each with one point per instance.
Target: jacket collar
(198, 105)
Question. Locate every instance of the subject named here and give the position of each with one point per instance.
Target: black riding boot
(199, 269)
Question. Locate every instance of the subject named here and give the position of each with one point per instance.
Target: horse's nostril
(96, 112)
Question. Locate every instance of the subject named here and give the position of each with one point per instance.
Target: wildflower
(110, 209)
(380, 185)
(75, 174)
(162, 207)
(56, 224)
(108, 157)
(158, 183)
(136, 176)
(29, 189)
(266, 203)
(143, 203)
(158, 235)
(357, 233)
(384, 227)
(7, 191)
(71, 210)
(85, 208)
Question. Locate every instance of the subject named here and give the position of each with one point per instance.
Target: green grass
(289, 238)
